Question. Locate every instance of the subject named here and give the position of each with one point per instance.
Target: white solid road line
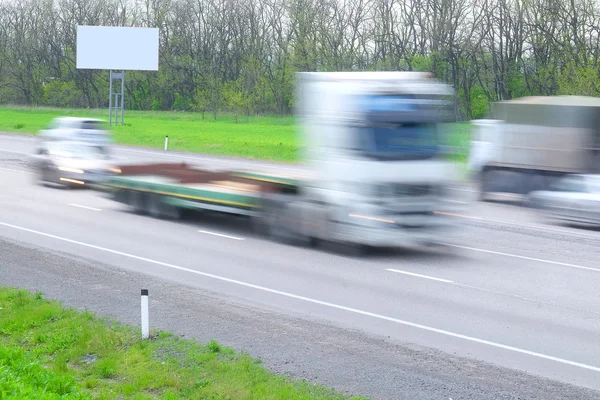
(541, 260)
(315, 301)
(86, 207)
(419, 275)
(25, 153)
(16, 170)
(528, 226)
(221, 235)
(497, 292)
(13, 152)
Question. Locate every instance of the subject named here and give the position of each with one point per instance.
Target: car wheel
(41, 176)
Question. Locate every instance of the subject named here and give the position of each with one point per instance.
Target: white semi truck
(531, 142)
(375, 171)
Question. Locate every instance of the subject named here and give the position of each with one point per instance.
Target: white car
(574, 198)
(72, 164)
(89, 130)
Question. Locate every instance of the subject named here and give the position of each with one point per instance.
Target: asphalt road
(510, 309)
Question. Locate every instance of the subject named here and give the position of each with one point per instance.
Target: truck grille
(404, 190)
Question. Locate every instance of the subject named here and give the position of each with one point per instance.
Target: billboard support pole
(116, 101)
(110, 99)
(123, 97)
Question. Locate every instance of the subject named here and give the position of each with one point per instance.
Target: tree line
(240, 56)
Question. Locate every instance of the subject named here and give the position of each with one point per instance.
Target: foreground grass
(49, 352)
(265, 138)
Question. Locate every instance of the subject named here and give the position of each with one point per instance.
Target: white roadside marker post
(166, 142)
(145, 322)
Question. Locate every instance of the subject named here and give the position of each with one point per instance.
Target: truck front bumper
(399, 232)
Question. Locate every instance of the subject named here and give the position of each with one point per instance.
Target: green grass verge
(267, 138)
(50, 352)
(264, 138)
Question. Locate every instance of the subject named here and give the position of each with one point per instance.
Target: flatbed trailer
(165, 190)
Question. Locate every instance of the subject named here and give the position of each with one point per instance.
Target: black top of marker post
(144, 292)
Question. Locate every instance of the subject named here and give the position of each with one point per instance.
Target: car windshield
(80, 151)
(92, 125)
(405, 141)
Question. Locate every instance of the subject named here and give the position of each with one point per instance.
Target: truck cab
(374, 145)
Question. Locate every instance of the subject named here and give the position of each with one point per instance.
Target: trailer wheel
(138, 201)
(155, 208)
(169, 211)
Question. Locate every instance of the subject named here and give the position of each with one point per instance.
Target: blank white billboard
(117, 48)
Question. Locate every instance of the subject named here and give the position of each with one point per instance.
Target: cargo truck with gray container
(531, 142)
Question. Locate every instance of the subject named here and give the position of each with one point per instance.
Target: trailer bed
(179, 185)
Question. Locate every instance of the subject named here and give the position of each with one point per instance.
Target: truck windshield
(406, 141)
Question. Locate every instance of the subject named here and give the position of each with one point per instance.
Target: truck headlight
(372, 218)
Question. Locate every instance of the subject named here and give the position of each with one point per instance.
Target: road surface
(509, 309)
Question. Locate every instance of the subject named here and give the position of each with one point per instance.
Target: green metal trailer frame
(163, 190)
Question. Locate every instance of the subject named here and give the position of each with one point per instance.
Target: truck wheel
(313, 242)
(348, 249)
(258, 221)
(484, 178)
(259, 224)
(273, 225)
(355, 249)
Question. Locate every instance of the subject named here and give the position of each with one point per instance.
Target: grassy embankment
(267, 138)
(50, 352)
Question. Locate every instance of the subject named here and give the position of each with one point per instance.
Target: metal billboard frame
(137, 49)
(116, 101)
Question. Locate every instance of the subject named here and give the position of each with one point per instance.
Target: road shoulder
(349, 361)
